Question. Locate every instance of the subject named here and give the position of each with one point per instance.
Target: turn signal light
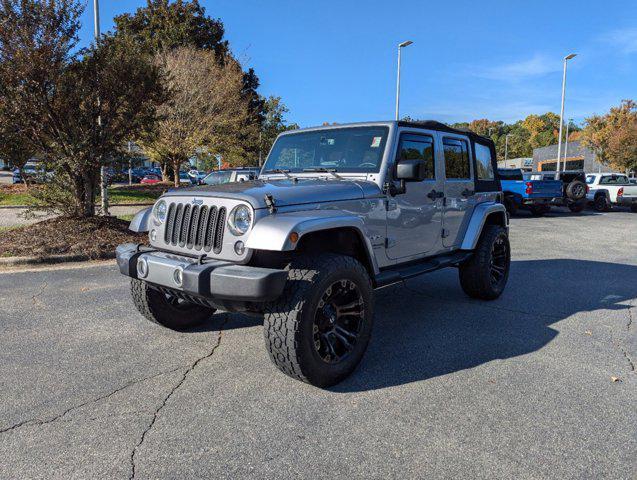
(620, 192)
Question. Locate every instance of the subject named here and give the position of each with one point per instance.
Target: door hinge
(444, 233)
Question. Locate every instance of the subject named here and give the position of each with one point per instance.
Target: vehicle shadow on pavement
(428, 327)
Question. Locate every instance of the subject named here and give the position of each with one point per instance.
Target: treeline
(163, 78)
(612, 136)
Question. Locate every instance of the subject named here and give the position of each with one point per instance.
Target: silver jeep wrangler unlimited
(335, 213)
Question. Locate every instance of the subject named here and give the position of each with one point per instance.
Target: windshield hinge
(269, 202)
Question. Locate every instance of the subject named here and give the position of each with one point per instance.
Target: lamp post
(506, 147)
(400, 47)
(559, 140)
(103, 171)
(566, 143)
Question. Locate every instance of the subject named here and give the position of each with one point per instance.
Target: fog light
(178, 276)
(142, 268)
(153, 235)
(239, 248)
(294, 237)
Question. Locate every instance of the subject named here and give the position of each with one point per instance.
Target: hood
(285, 191)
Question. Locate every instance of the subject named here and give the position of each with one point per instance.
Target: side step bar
(403, 272)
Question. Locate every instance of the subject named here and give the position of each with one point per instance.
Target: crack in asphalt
(624, 350)
(39, 422)
(167, 397)
(34, 298)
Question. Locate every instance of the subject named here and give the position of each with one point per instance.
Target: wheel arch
(488, 213)
(317, 230)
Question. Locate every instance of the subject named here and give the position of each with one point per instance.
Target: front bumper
(211, 280)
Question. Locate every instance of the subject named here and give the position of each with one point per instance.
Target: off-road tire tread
(472, 280)
(282, 317)
(141, 294)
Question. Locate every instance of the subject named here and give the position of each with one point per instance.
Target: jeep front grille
(194, 226)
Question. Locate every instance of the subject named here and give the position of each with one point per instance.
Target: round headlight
(240, 219)
(160, 211)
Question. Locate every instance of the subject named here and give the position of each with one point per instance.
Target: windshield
(217, 178)
(350, 149)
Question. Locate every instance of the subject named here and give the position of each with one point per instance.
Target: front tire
(167, 310)
(319, 329)
(485, 274)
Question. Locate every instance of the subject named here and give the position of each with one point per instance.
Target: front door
(414, 218)
(459, 188)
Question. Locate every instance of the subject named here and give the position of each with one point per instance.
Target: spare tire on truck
(576, 190)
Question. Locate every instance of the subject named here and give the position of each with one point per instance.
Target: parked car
(31, 172)
(521, 190)
(196, 177)
(241, 174)
(608, 189)
(306, 244)
(574, 188)
(150, 179)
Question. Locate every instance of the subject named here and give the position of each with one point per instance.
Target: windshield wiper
(322, 170)
(285, 172)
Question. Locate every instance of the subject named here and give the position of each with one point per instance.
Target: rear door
(459, 187)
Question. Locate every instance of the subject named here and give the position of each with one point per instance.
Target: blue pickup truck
(521, 192)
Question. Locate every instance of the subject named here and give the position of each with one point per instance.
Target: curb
(34, 260)
(111, 205)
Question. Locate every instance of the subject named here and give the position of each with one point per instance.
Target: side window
(456, 158)
(418, 147)
(484, 166)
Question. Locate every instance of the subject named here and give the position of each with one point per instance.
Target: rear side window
(484, 165)
(590, 179)
(456, 158)
(508, 174)
(614, 180)
(418, 147)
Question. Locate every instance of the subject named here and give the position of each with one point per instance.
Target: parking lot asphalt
(540, 383)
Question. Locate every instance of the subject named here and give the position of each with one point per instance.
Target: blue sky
(335, 61)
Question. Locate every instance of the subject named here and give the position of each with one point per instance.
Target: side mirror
(408, 171)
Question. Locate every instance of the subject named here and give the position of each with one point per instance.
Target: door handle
(467, 193)
(433, 194)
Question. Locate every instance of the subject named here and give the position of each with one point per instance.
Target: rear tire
(485, 274)
(167, 310)
(633, 208)
(319, 329)
(576, 207)
(538, 210)
(601, 203)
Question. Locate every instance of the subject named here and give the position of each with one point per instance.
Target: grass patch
(126, 218)
(12, 227)
(62, 235)
(20, 195)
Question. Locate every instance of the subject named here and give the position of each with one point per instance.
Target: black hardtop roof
(443, 127)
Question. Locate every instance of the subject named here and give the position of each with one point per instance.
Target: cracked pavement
(450, 387)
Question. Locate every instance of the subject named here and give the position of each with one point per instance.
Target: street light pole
(566, 144)
(559, 140)
(400, 47)
(506, 147)
(103, 171)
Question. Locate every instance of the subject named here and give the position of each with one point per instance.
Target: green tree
(273, 124)
(54, 95)
(206, 109)
(613, 136)
(164, 25)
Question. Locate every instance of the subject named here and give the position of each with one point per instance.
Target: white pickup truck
(608, 189)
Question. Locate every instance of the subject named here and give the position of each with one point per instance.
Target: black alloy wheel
(338, 321)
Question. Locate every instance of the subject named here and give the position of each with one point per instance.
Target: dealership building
(577, 157)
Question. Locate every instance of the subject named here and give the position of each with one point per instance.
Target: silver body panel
(394, 229)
